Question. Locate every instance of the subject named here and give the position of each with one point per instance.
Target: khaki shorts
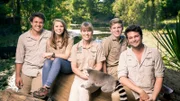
(130, 96)
(30, 84)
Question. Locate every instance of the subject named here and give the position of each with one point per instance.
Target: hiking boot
(41, 93)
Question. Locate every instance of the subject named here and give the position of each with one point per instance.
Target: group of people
(42, 54)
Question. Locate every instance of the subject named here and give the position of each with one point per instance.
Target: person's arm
(100, 58)
(20, 54)
(18, 80)
(157, 87)
(58, 55)
(99, 66)
(159, 74)
(77, 71)
(104, 67)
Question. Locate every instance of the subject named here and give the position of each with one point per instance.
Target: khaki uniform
(85, 58)
(112, 49)
(141, 74)
(29, 52)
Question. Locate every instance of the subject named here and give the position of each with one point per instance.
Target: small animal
(106, 82)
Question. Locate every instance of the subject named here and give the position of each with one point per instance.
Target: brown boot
(41, 93)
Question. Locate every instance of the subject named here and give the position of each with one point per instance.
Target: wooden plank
(10, 95)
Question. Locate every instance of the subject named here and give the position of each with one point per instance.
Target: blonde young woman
(85, 54)
(58, 51)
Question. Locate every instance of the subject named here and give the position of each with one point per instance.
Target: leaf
(170, 41)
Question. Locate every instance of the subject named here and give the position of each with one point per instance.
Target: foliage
(8, 40)
(147, 13)
(81, 11)
(170, 8)
(170, 41)
(51, 8)
(92, 10)
(5, 71)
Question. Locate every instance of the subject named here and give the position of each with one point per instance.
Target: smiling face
(37, 24)
(134, 39)
(86, 34)
(116, 29)
(58, 27)
(86, 31)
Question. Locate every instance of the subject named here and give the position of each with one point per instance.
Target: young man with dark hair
(141, 69)
(29, 55)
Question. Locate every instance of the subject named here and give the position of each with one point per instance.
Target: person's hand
(143, 96)
(84, 76)
(19, 82)
(47, 55)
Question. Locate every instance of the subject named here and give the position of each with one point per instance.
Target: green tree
(81, 11)
(143, 12)
(170, 8)
(51, 8)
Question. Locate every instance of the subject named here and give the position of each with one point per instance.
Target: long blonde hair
(64, 35)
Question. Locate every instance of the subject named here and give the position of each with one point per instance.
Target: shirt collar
(81, 44)
(115, 39)
(146, 50)
(30, 36)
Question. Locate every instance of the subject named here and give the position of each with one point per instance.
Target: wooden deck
(62, 85)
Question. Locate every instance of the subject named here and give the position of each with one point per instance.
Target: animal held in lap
(105, 81)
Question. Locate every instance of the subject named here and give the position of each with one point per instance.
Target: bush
(169, 39)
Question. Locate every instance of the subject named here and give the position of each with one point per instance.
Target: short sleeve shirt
(113, 48)
(60, 50)
(141, 74)
(87, 57)
(30, 51)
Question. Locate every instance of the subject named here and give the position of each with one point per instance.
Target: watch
(53, 55)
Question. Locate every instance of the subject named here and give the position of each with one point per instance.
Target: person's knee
(47, 63)
(57, 60)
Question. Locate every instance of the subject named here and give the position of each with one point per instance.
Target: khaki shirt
(87, 57)
(60, 50)
(113, 48)
(30, 52)
(141, 74)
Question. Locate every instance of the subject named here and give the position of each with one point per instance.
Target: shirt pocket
(79, 60)
(30, 45)
(148, 66)
(131, 63)
(92, 60)
(132, 66)
(148, 72)
(115, 53)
